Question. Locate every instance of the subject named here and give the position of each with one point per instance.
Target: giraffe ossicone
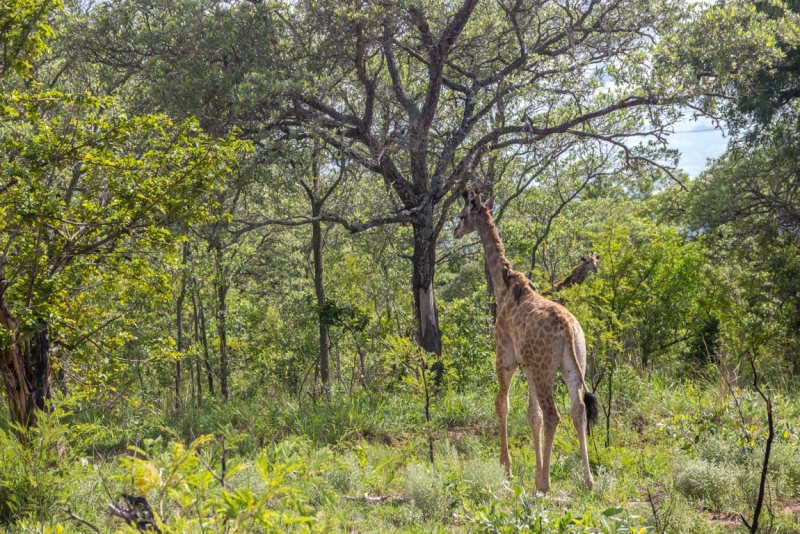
(540, 337)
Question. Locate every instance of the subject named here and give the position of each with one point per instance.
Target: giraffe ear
(476, 204)
(597, 256)
(490, 203)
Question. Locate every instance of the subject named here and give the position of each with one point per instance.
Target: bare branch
(765, 466)
(552, 217)
(405, 216)
(397, 84)
(629, 156)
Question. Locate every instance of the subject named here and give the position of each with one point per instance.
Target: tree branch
(397, 84)
(82, 521)
(765, 466)
(405, 216)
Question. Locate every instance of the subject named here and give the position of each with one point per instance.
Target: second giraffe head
(472, 211)
(591, 261)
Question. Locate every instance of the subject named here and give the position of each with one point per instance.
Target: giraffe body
(578, 275)
(537, 335)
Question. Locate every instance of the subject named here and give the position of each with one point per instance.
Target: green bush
(720, 451)
(700, 479)
(344, 478)
(186, 491)
(530, 515)
(425, 488)
(485, 479)
(35, 479)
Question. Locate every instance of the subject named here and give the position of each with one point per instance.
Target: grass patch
(685, 447)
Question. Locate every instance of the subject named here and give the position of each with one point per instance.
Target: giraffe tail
(589, 400)
(591, 410)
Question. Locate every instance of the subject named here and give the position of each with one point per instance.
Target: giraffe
(587, 265)
(538, 335)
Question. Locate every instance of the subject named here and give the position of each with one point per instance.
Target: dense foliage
(230, 302)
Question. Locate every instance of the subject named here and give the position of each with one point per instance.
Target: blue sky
(697, 141)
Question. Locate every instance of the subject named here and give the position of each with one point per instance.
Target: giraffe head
(473, 210)
(590, 261)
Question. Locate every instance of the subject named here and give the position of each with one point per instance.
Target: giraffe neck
(580, 273)
(495, 255)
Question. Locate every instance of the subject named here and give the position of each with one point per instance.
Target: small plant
(425, 488)
(529, 515)
(423, 377)
(36, 471)
(187, 494)
(699, 479)
(485, 480)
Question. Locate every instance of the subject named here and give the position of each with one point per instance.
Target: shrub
(35, 478)
(188, 488)
(425, 488)
(346, 475)
(531, 516)
(718, 451)
(699, 479)
(486, 479)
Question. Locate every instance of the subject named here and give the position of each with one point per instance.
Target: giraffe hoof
(543, 486)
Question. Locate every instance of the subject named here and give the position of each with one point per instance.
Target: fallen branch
(367, 498)
(135, 511)
(82, 521)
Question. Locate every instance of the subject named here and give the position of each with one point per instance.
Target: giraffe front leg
(506, 365)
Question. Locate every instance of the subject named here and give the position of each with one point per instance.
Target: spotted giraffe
(538, 335)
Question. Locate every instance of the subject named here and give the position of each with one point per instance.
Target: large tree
(79, 180)
(414, 93)
(744, 55)
(419, 93)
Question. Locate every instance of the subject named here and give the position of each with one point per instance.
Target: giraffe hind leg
(535, 420)
(573, 378)
(551, 419)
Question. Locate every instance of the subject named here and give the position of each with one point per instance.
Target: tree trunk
(424, 262)
(319, 289)
(199, 374)
(25, 366)
(179, 320)
(204, 339)
(222, 331)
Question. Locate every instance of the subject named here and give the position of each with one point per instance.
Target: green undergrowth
(678, 457)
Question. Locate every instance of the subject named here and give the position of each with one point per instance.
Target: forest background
(230, 300)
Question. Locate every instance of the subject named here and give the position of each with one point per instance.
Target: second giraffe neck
(495, 254)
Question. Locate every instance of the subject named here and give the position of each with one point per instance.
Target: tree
(422, 94)
(416, 96)
(80, 181)
(745, 56)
